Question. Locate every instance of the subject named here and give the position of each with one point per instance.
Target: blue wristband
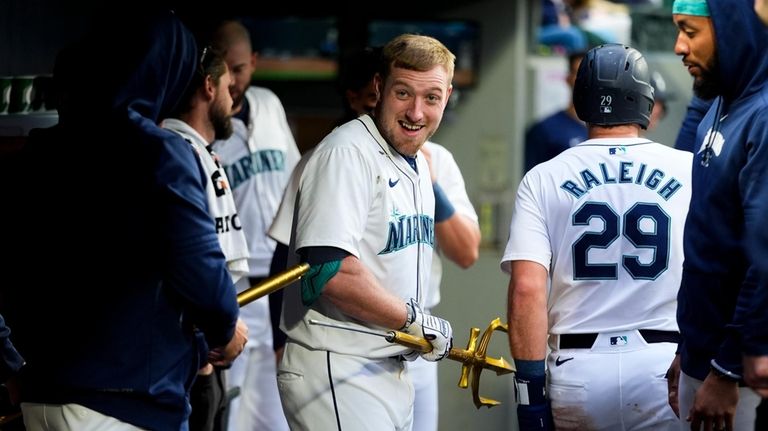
(530, 382)
(443, 207)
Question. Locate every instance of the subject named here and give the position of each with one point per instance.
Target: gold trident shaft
(272, 284)
(474, 358)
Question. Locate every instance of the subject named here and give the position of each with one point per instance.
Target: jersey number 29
(627, 225)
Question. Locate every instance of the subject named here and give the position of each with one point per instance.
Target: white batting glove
(432, 328)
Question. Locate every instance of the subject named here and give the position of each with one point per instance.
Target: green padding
(313, 283)
(690, 7)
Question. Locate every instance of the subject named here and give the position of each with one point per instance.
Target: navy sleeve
(686, 137)
(279, 263)
(12, 361)
(534, 148)
(755, 204)
(320, 255)
(197, 266)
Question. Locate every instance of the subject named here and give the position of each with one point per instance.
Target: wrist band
(719, 371)
(409, 317)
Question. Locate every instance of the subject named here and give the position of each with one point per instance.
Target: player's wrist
(410, 315)
(443, 207)
(530, 382)
(723, 374)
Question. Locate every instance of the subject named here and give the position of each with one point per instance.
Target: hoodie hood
(742, 47)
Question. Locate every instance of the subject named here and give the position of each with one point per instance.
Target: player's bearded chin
(709, 84)
(222, 123)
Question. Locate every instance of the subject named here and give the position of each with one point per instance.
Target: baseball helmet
(613, 87)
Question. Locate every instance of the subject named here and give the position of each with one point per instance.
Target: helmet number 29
(605, 104)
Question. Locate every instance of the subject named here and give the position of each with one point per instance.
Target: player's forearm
(459, 239)
(356, 292)
(527, 311)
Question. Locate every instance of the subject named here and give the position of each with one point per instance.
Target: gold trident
(474, 359)
(272, 284)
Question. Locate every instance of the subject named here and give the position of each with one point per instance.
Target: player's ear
(378, 85)
(209, 88)
(448, 95)
(254, 60)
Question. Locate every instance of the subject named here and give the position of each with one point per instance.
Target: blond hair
(416, 52)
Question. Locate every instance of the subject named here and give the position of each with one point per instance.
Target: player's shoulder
(353, 134)
(262, 95)
(673, 154)
(434, 147)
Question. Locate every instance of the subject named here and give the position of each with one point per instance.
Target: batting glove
(432, 328)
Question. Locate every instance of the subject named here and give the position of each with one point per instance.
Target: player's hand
(14, 390)
(714, 405)
(432, 328)
(673, 382)
(223, 356)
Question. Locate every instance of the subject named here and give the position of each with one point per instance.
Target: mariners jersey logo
(254, 163)
(407, 230)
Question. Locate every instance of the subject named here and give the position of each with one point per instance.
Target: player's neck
(199, 120)
(618, 131)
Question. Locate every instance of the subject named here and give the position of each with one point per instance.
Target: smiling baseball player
(364, 221)
(602, 224)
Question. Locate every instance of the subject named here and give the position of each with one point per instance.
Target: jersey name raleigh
(623, 173)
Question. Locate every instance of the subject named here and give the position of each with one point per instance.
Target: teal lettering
(606, 178)
(670, 188)
(640, 173)
(589, 179)
(654, 179)
(254, 163)
(624, 176)
(571, 187)
(409, 230)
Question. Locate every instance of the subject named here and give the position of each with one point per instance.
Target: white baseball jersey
(606, 218)
(281, 227)
(358, 194)
(259, 158)
(448, 176)
(221, 204)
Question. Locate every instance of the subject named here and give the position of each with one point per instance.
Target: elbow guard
(313, 283)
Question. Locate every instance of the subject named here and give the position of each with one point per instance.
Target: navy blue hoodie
(116, 259)
(719, 274)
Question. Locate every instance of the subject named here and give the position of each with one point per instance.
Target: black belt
(586, 341)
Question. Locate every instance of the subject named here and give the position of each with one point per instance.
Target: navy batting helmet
(613, 87)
